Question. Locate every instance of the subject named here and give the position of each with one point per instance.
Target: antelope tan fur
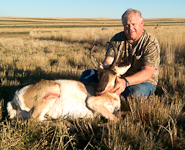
(68, 99)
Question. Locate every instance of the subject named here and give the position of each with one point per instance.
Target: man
(142, 50)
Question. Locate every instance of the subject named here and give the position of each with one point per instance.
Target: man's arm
(141, 76)
(108, 60)
(137, 78)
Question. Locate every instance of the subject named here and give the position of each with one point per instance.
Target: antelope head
(107, 74)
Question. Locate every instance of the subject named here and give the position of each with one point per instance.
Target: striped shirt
(145, 52)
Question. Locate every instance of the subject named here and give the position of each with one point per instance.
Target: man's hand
(119, 86)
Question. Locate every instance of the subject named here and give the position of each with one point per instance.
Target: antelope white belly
(71, 103)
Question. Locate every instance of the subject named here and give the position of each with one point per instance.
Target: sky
(91, 8)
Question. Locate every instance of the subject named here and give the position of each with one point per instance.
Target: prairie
(55, 48)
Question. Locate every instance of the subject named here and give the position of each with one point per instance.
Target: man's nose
(131, 27)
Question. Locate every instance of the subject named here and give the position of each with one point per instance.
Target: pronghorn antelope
(68, 99)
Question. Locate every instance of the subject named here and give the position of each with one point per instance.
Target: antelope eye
(113, 72)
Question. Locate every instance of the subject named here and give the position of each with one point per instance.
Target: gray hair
(130, 11)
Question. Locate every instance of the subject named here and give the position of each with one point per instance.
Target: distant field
(19, 26)
(56, 23)
(79, 22)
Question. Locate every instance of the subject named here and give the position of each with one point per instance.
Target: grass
(56, 53)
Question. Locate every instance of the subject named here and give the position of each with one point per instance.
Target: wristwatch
(127, 83)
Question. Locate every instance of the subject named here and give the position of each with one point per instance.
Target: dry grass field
(55, 48)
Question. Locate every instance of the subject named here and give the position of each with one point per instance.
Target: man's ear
(142, 22)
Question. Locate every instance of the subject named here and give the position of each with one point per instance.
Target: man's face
(133, 27)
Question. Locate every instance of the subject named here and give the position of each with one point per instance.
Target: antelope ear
(101, 66)
(121, 70)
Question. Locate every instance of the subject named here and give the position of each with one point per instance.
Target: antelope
(69, 99)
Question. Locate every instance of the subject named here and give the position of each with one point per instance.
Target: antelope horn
(93, 60)
(116, 54)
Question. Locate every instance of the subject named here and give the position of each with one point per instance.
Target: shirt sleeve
(152, 55)
(115, 40)
(110, 51)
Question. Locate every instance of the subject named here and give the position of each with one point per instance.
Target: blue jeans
(143, 89)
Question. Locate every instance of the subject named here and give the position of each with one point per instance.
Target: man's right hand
(119, 86)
